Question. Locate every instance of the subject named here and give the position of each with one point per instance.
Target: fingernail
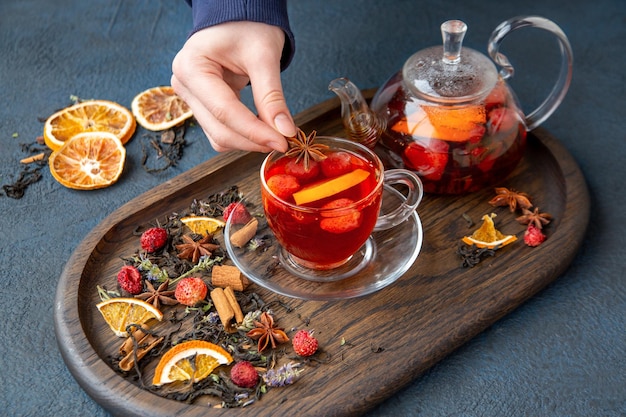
(284, 125)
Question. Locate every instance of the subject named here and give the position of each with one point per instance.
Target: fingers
(209, 78)
(221, 137)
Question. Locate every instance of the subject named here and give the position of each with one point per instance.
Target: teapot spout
(361, 123)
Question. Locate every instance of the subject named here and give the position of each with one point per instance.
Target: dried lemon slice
(486, 236)
(159, 108)
(193, 361)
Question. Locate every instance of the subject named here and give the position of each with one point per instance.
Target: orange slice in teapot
(456, 124)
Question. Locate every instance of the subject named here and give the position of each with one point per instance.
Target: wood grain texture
(393, 335)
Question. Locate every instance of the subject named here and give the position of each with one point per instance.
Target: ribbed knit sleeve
(273, 12)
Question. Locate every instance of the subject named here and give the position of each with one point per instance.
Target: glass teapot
(449, 115)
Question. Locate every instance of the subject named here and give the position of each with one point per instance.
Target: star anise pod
(267, 333)
(159, 295)
(193, 250)
(535, 217)
(302, 148)
(511, 198)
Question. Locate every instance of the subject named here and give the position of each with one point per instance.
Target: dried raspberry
(153, 239)
(533, 235)
(304, 344)
(190, 291)
(129, 279)
(238, 212)
(244, 375)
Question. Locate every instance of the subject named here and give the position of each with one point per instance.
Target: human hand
(212, 68)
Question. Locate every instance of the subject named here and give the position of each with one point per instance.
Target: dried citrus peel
(202, 225)
(330, 187)
(120, 312)
(487, 236)
(193, 361)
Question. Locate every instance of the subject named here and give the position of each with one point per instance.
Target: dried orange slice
(159, 108)
(120, 312)
(202, 225)
(88, 161)
(487, 236)
(88, 116)
(192, 361)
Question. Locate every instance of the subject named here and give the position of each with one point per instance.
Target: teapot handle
(545, 109)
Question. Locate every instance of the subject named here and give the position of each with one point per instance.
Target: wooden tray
(391, 336)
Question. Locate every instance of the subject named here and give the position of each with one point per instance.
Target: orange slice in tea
(121, 312)
(159, 108)
(330, 187)
(88, 161)
(487, 236)
(88, 116)
(192, 361)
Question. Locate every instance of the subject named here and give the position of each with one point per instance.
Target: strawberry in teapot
(449, 115)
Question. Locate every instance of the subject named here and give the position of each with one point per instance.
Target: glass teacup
(324, 214)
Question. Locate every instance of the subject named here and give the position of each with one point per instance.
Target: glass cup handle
(545, 109)
(407, 207)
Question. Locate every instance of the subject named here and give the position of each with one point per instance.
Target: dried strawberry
(244, 375)
(347, 221)
(300, 171)
(283, 185)
(238, 212)
(304, 344)
(533, 236)
(336, 163)
(429, 163)
(190, 291)
(153, 239)
(129, 279)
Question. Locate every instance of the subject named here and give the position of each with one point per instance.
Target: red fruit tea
(321, 220)
(455, 149)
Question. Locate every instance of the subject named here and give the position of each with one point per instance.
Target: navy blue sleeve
(273, 12)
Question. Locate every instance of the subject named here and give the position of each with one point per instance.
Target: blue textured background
(563, 353)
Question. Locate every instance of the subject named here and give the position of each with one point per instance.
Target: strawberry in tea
(322, 198)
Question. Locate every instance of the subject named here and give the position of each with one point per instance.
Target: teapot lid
(450, 73)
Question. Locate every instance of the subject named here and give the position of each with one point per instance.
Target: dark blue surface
(563, 353)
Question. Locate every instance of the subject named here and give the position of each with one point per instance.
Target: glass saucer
(386, 256)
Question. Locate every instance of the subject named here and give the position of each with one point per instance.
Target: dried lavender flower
(154, 273)
(285, 375)
(247, 323)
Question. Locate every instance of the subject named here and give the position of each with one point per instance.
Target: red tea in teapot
(451, 117)
(460, 148)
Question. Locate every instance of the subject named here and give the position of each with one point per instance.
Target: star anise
(511, 198)
(535, 217)
(193, 250)
(302, 148)
(159, 295)
(267, 333)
